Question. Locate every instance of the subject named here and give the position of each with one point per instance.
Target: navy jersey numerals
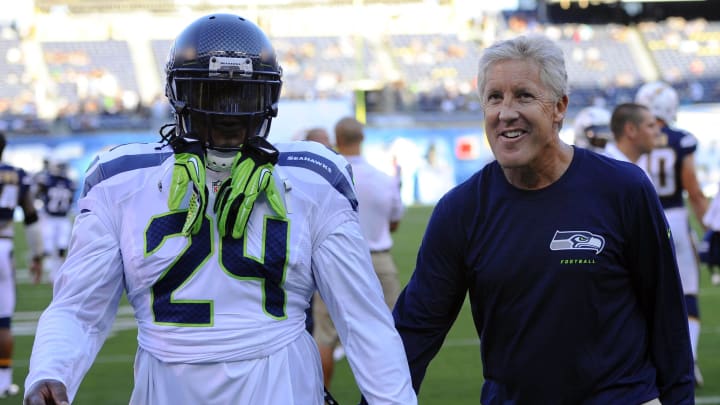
(233, 258)
(661, 165)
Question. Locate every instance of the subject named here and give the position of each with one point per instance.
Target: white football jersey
(207, 299)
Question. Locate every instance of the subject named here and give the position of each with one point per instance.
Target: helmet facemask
(223, 82)
(598, 135)
(223, 111)
(592, 127)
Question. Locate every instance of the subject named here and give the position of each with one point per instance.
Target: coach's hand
(47, 392)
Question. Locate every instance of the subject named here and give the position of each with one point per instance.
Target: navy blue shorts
(709, 250)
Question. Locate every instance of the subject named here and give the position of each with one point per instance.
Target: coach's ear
(560, 110)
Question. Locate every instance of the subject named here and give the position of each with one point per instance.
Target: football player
(15, 192)
(219, 239)
(671, 165)
(56, 191)
(592, 128)
(709, 249)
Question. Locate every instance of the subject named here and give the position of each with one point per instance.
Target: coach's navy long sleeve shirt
(573, 288)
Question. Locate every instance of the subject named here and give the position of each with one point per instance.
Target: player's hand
(47, 392)
(36, 269)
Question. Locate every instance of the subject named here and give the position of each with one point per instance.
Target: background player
(709, 249)
(15, 192)
(592, 128)
(380, 210)
(671, 165)
(56, 191)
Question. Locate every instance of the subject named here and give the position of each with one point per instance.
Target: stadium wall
(428, 160)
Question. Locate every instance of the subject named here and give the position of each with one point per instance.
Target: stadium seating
(95, 67)
(687, 53)
(12, 69)
(160, 49)
(429, 66)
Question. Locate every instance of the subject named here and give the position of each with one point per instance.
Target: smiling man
(565, 255)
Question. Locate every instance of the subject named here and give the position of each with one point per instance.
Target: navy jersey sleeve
(660, 295)
(432, 299)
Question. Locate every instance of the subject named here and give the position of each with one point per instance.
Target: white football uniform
(56, 235)
(220, 320)
(711, 220)
(57, 193)
(7, 278)
(685, 251)
(14, 186)
(665, 164)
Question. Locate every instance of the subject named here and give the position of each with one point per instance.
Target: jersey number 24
(269, 270)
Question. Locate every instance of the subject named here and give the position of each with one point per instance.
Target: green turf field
(454, 377)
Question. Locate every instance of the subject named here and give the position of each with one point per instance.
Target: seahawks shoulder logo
(577, 240)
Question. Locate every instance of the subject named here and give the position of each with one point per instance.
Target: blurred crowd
(62, 87)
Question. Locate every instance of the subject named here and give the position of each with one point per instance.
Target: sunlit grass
(454, 376)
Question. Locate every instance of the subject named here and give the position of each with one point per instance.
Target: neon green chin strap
(251, 175)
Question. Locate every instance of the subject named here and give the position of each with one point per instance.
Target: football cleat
(339, 353)
(698, 377)
(715, 278)
(10, 391)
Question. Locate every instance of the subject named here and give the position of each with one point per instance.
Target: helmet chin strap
(264, 127)
(217, 159)
(220, 159)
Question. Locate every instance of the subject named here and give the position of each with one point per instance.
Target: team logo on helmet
(660, 98)
(577, 240)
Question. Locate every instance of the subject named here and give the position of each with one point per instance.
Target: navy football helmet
(222, 75)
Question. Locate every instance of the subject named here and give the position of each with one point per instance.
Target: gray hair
(537, 48)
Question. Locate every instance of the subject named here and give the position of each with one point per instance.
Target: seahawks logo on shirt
(577, 240)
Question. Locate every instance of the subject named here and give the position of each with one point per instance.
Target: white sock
(694, 327)
(5, 378)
